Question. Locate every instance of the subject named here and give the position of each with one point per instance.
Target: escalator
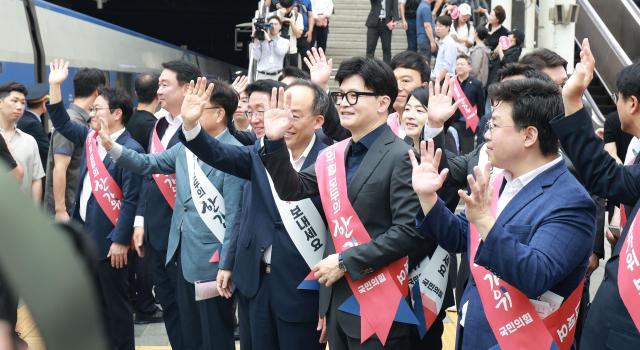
(611, 26)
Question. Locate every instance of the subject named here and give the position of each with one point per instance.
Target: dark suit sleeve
(400, 239)
(598, 171)
(34, 128)
(130, 185)
(449, 230)
(549, 257)
(244, 137)
(231, 159)
(76, 133)
(290, 185)
(332, 126)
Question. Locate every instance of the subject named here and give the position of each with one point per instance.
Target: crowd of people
(330, 216)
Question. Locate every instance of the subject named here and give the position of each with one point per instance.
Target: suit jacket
(154, 208)
(383, 179)
(32, 125)
(99, 226)
(608, 323)
(188, 232)
(260, 227)
(541, 241)
(140, 126)
(391, 7)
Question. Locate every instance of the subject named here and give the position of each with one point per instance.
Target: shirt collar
(524, 179)
(304, 154)
(115, 135)
(30, 111)
(368, 140)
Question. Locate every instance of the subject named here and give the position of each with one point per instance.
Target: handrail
(603, 45)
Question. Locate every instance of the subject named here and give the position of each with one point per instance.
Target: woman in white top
(462, 30)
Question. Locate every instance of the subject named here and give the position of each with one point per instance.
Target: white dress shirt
(174, 125)
(322, 7)
(85, 195)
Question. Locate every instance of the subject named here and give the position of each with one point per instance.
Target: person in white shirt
(447, 50)
(322, 11)
(462, 30)
(22, 145)
(270, 51)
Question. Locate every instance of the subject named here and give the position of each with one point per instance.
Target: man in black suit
(143, 118)
(613, 321)
(377, 169)
(380, 23)
(33, 120)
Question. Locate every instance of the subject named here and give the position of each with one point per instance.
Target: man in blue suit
(541, 236)
(609, 323)
(268, 265)
(113, 107)
(195, 235)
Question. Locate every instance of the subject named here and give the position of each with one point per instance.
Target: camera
(261, 24)
(284, 32)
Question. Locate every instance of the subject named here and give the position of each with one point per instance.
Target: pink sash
(469, 112)
(512, 317)
(166, 183)
(104, 188)
(629, 271)
(381, 292)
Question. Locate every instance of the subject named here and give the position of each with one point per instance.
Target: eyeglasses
(96, 109)
(257, 114)
(490, 126)
(352, 96)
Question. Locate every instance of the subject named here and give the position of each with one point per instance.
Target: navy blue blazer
(100, 227)
(261, 226)
(608, 324)
(155, 209)
(541, 241)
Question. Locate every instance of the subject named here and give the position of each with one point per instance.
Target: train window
(125, 81)
(0, 67)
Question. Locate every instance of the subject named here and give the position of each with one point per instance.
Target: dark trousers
(165, 279)
(412, 35)
(116, 308)
(303, 47)
(433, 338)
(141, 284)
(8, 304)
(320, 35)
(339, 340)
(206, 324)
(243, 321)
(466, 136)
(425, 50)
(269, 332)
(379, 31)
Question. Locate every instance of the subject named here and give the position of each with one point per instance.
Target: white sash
(304, 225)
(432, 274)
(206, 197)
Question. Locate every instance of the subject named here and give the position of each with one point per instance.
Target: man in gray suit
(376, 172)
(207, 201)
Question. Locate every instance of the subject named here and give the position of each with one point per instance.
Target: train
(35, 32)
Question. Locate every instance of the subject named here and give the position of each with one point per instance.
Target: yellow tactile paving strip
(27, 328)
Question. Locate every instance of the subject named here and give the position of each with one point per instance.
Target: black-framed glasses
(490, 126)
(96, 109)
(352, 96)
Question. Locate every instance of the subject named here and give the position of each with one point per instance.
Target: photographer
(269, 48)
(292, 28)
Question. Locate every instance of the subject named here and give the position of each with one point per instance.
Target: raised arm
(231, 159)
(76, 133)
(600, 172)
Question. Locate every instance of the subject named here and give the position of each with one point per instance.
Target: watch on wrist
(341, 264)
